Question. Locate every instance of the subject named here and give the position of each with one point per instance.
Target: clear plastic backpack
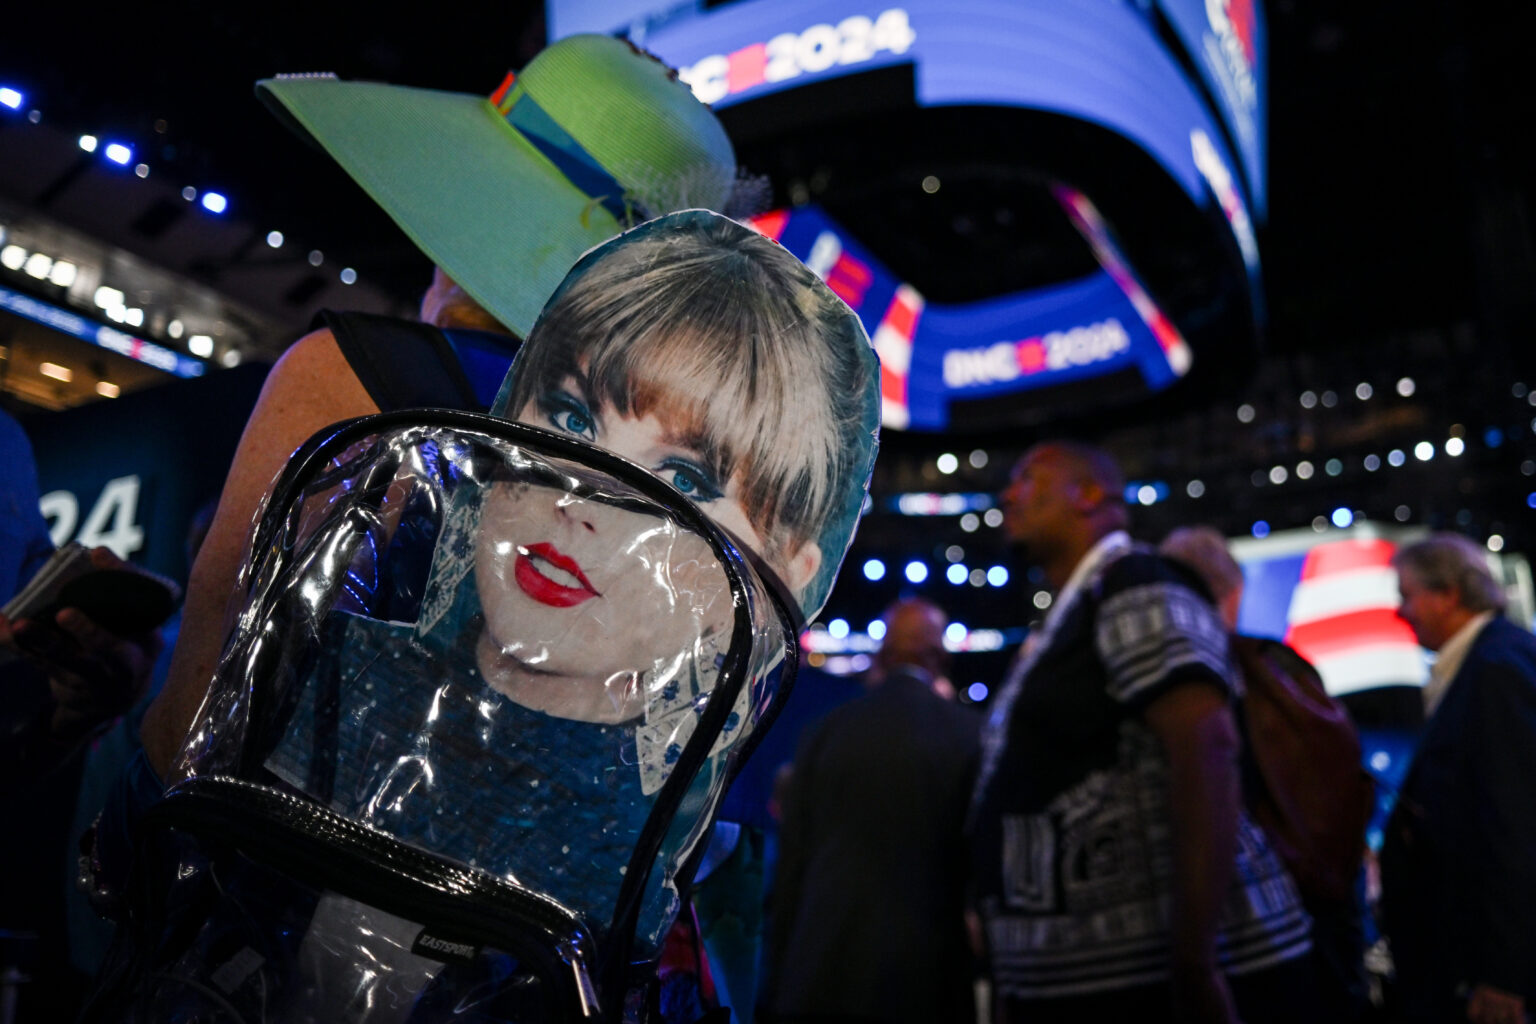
(465, 742)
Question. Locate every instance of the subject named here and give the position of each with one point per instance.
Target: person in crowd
(568, 633)
(503, 196)
(867, 915)
(1304, 786)
(1115, 874)
(1458, 859)
(63, 682)
(80, 675)
(24, 541)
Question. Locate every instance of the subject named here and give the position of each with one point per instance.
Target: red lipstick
(540, 587)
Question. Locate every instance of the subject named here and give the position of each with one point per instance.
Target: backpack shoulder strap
(402, 364)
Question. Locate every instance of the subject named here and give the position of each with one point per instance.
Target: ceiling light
(175, 328)
(200, 345)
(63, 273)
(13, 257)
(57, 372)
(106, 297)
(118, 153)
(38, 265)
(88, 143)
(106, 389)
(213, 202)
(275, 239)
(11, 98)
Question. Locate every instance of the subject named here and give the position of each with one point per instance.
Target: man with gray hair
(1458, 860)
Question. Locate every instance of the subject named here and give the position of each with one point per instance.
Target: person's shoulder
(1143, 567)
(1506, 648)
(317, 343)
(314, 380)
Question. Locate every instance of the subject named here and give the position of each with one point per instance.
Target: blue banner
(77, 326)
(1228, 42)
(933, 356)
(1097, 60)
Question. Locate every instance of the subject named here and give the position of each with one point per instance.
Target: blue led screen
(1096, 60)
(1228, 42)
(935, 355)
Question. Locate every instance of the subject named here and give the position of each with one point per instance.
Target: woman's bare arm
(310, 387)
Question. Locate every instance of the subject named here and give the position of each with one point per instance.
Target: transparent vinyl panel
(495, 647)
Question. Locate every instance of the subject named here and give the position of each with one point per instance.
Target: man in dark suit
(1459, 858)
(867, 915)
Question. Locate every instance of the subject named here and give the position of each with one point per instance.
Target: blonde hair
(736, 347)
(1205, 551)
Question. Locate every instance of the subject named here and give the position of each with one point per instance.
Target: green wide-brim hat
(505, 193)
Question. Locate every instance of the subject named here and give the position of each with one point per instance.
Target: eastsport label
(791, 54)
(431, 946)
(1059, 350)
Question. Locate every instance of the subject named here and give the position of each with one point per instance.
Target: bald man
(1115, 874)
(867, 919)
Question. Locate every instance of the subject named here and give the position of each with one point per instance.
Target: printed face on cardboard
(588, 605)
(669, 454)
(714, 359)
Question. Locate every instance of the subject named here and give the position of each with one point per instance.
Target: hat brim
(471, 192)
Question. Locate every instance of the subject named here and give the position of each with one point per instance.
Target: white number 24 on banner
(111, 523)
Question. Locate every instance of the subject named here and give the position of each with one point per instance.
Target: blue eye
(690, 479)
(570, 414)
